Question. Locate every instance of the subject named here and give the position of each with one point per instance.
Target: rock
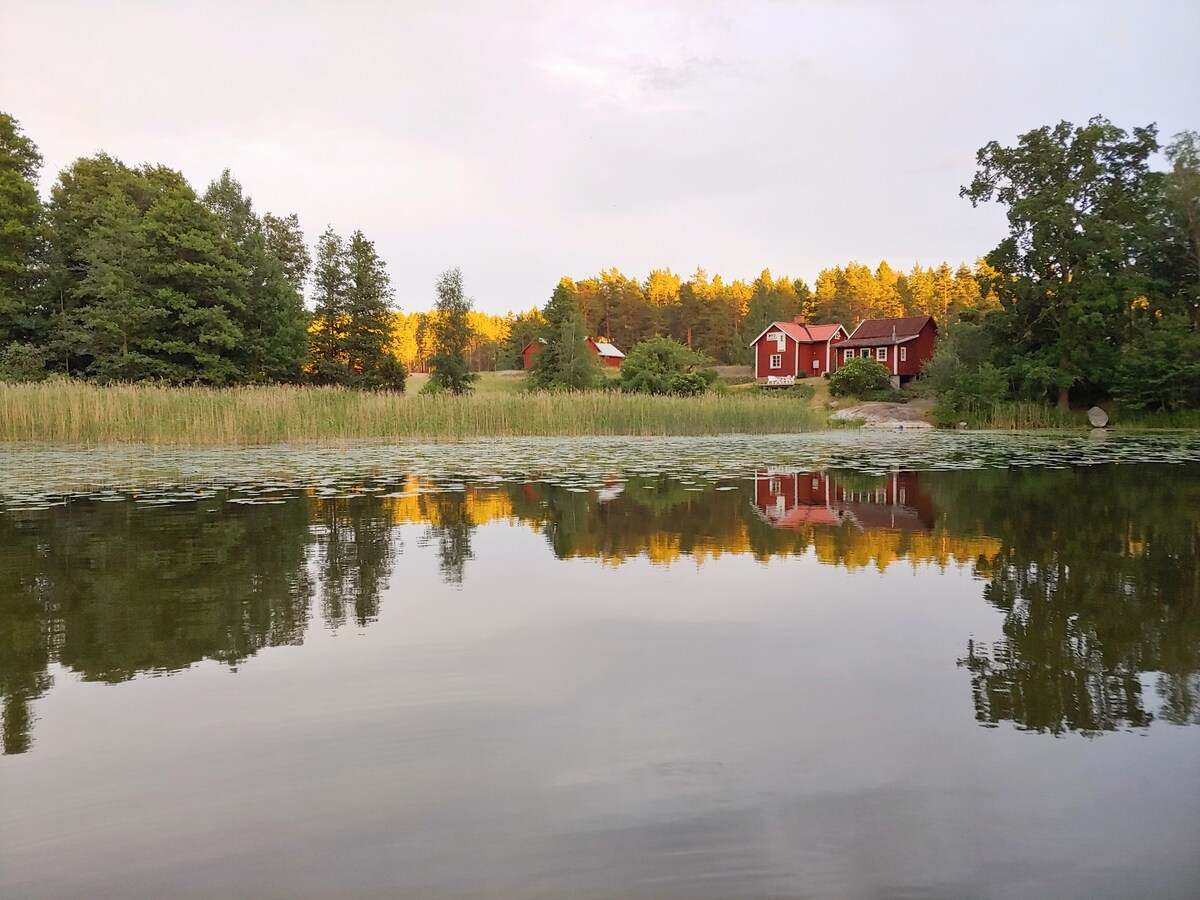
(885, 415)
(1098, 417)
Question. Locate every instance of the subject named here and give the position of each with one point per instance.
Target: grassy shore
(61, 412)
(1024, 415)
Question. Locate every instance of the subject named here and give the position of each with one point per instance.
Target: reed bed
(62, 412)
(1020, 415)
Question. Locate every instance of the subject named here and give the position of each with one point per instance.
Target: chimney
(801, 320)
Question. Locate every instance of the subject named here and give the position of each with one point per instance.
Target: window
(773, 486)
(881, 354)
(903, 354)
(776, 361)
(780, 341)
(849, 354)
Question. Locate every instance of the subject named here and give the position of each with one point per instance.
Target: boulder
(1098, 417)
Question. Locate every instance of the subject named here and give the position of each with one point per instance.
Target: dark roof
(877, 332)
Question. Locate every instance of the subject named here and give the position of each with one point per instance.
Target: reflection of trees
(1099, 581)
(354, 537)
(451, 524)
(25, 634)
(1097, 573)
(113, 589)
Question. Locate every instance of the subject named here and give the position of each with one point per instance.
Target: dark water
(843, 667)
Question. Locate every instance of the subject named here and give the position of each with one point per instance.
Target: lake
(842, 665)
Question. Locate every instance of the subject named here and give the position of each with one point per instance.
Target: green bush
(795, 391)
(22, 363)
(858, 377)
(664, 366)
(1161, 370)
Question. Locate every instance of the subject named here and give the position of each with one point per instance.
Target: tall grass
(1026, 414)
(76, 413)
(1015, 415)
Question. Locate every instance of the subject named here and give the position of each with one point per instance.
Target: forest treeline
(129, 274)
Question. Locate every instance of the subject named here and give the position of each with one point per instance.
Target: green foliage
(1080, 204)
(353, 294)
(272, 316)
(859, 377)
(663, 366)
(20, 221)
(962, 374)
(524, 328)
(1161, 369)
(451, 336)
(22, 363)
(566, 362)
(798, 391)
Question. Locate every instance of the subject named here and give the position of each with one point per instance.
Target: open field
(76, 413)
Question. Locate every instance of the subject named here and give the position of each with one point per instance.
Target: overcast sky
(524, 141)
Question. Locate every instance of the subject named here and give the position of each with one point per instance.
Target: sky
(525, 141)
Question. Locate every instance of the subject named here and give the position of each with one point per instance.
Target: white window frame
(780, 341)
(881, 354)
(848, 354)
(903, 354)
(776, 360)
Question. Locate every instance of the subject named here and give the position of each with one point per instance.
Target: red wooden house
(609, 355)
(786, 351)
(902, 345)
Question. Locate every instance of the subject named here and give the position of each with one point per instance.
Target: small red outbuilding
(609, 355)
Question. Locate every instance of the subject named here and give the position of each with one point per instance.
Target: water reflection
(1096, 572)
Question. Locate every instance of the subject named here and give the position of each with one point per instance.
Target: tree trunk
(1063, 399)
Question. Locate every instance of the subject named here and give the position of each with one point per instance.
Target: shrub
(859, 377)
(22, 363)
(664, 366)
(795, 391)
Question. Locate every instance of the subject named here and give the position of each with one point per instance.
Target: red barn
(609, 355)
(786, 351)
(532, 349)
(903, 345)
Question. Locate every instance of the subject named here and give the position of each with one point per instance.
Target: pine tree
(273, 321)
(194, 276)
(121, 316)
(566, 361)
(368, 308)
(285, 241)
(331, 282)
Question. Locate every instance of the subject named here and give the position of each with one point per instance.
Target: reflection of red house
(609, 355)
(902, 346)
(794, 500)
(789, 350)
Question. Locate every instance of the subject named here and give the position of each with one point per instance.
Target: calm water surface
(834, 666)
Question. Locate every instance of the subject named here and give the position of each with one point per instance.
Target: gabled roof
(531, 343)
(821, 333)
(802, 334)
(877, 332)
(604, 348)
